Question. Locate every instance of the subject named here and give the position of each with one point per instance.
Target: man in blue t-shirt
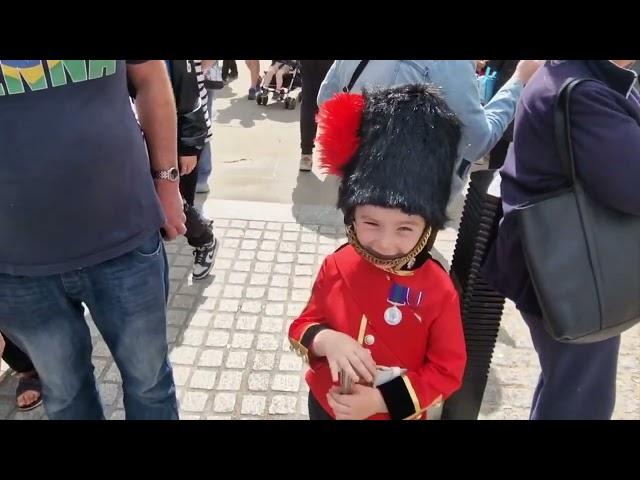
(81, 207)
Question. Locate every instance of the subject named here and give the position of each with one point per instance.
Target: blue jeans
(205, 162)
(127, 300)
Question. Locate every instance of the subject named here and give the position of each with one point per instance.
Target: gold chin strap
(394, 265)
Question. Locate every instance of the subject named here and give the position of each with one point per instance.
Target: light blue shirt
(482, 127)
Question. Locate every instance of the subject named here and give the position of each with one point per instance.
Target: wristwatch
(172, 174)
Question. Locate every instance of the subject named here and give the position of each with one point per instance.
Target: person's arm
(331, 83)
(156, 111)
(157, 115)
(482, 127)
(606, 147)
(192, 125)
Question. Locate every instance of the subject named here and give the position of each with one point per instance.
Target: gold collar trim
(391, 266)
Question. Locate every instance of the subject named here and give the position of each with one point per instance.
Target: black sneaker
(203, 259)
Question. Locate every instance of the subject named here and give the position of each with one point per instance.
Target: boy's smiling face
(387, 233)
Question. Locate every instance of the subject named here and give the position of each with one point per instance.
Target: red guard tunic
(350, 295)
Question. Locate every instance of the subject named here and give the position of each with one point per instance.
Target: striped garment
(203, 94)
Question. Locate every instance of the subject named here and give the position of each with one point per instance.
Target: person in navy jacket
(578, 381)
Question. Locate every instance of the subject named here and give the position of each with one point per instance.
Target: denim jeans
(127, 299)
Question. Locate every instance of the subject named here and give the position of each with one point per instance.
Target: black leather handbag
(583, 257)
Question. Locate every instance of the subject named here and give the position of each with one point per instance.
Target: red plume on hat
(338, 125)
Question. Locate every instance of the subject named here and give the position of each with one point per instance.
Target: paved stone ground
(228, 340)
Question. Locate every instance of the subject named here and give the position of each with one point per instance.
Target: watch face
(174, 174)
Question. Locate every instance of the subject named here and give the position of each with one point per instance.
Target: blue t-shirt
(75, 183)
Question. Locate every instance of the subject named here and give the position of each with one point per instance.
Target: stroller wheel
(265, 99)
(259, 99)
(287, 102)
(292, 104)
(300, 97)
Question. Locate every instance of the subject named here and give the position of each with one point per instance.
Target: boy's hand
(343, 352)
(360, 404)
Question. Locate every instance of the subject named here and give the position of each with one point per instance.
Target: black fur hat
(393, 147)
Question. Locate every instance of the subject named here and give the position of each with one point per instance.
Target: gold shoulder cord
(390, 266)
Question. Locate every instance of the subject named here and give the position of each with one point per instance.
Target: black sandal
(29, 384)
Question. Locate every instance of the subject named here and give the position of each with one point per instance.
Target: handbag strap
(356, 75)
(562, 125)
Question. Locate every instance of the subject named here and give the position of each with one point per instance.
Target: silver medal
(393, 315)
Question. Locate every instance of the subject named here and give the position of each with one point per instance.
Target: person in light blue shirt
(482, 127)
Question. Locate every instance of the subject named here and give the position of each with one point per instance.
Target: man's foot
(202, 188)
(306, 162)
(203, 259)
(252, 93)
(28, 392)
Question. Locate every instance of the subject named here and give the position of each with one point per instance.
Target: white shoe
(202, 188)
(203, 259)
(306, 162)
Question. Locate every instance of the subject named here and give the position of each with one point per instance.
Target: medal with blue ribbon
(398, 297)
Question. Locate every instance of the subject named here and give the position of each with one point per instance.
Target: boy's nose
(385, 247)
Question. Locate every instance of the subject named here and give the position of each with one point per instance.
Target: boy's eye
(373, 224)
(405, 229)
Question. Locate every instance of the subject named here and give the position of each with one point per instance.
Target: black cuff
(310, 334)
(397, 398)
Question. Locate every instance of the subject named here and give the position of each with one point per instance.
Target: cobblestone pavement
(228, 340)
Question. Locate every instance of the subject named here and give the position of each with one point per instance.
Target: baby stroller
(291, 81)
